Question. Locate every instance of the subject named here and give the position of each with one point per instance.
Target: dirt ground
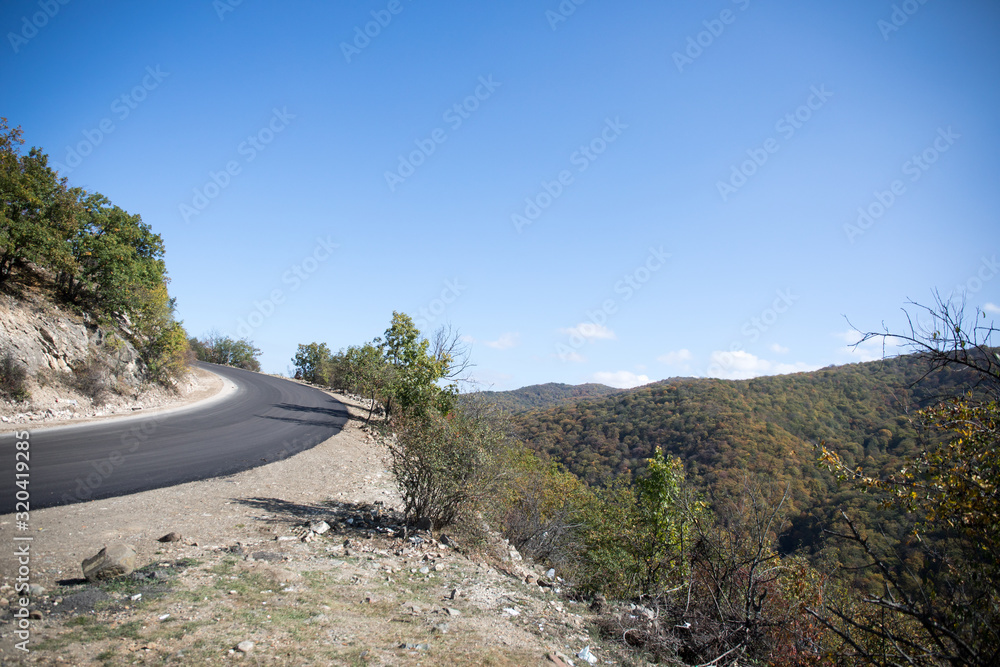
(363, 592)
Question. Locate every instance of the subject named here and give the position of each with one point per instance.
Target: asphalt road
(266, 419)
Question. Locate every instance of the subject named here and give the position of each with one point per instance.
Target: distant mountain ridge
(541, 396)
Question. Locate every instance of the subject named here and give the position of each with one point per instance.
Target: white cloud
(505, 342)
(621, 379)
(742, 365)
(778, 348)
(991, 308)
(590, 331)
(675, 357)
(571, 355)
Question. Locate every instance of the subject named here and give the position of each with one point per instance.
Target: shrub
(540, 510)
(13, 378)
(90, 378)
(447, 466)
(638, 538)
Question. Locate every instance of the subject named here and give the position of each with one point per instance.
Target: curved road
(266, 419)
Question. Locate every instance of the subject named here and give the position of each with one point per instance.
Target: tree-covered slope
(769, 428)
(541, 396)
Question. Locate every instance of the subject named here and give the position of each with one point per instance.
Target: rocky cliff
(74, 367)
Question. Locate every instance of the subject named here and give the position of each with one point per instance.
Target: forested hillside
(541, 396)
(770, 428)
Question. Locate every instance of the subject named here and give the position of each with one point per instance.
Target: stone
(438, 567)
(425, 570)
(441, 628)
(319, 527)
(550, 573)
(268, 556)
(170, 537)
(586, 655)
(35, 615)
(245, 646)
(35, 590)
(453, 612)
(114, 560)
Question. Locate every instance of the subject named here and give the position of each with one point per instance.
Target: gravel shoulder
(360, 593)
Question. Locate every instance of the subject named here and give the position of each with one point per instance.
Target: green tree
(364, 371)
(414, 382)
(219, 349)
(37, 209)
(116, 255)
(313, 363)
(638, 537)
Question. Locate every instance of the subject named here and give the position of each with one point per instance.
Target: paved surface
(265, 419)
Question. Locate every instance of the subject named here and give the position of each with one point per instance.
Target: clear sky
(606, 191)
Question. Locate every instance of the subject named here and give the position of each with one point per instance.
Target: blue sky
(614, 192)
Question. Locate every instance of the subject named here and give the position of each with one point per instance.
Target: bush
(447, 466)
(540, 511)
(638, 538)
(90, 378)
(13, 378)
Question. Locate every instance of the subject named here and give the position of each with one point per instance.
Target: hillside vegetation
(768, 427)
(66, 248)
(542, 396)
(844, 516)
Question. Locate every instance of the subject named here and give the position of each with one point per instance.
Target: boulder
(114, 560)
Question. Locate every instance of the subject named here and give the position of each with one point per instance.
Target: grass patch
(91, 630)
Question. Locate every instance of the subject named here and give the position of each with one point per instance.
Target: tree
(363, 370)
(938, 601)
(159, 337)
(219, 349)
(637, 538)
(313, 363)
(115, 255)
(38, 210)
(414, 385)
